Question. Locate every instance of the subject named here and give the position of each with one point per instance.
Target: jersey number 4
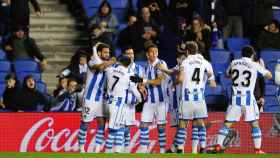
(196, 75)
(236, 74)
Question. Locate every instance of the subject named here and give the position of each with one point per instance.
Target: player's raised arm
(101, 58)
(266, 73)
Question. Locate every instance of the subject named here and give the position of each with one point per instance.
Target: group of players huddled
(115, 86)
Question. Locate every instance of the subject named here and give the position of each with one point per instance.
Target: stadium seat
(5, 66)
(271, 104)
(42, 87)
(236, 44)
(215, 95)
(270, 90)
(276, 14)
(219, 56)
(22, 75)
(113, 3)
(225, 81)
(26, 66)
(2, 89)
(2, 55)
(2, 77)
(270, 55)
(220, 60)
(236, 54)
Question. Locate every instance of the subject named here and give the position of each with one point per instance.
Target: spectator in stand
(182, 8)
(30, 98)
(20, 13)
(106, 20)
(10, 94)
(5, 17)
(125, 38)
(68, 100)
(161, 4)
(61, 86)
(77, 68)
(97, 34)
(201, 33)
(269, 37)
(21, 46)
(145, 29)
(233, 24)
(257, 14)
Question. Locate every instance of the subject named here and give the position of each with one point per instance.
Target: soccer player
(134, 69)
(118, 85)
(243, 73)
(93, 99)
(173, 94)
(195, 71)
(155, 109)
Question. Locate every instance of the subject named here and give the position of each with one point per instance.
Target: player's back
(243, 73)
(195, 69)
(118, 81)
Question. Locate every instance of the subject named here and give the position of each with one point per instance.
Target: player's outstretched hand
(136, 79)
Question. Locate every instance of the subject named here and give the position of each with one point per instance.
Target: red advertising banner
(57, 132)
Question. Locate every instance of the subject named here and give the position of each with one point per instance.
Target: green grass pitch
(77, 155)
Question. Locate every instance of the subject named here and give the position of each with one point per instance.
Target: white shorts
(116, 115)
(154, 112)
(129, 115)
(93, 109)
(189, 110)
(251, 113)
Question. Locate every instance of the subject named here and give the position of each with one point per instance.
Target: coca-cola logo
(49, 139)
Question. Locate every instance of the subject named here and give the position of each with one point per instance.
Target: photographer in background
(68, 101)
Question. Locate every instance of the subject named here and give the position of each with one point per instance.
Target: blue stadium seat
(2, 89)
(113, 3)
(270, 90)
(118, 52)
(42, 87)
(236, 54)
(26, 66)
(220, 60)
(235, 44)
(271, 104)
(219, 56)
(270, 55)
(215, 95)
(22, 75)
(2, 55)
(276, 14)
(225, 81)
(5, 66)
(2, 77)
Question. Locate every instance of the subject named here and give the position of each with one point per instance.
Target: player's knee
(198, 122)
(255, 124)
(183, 123)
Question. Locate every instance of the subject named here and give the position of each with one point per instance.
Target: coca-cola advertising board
(57, 132)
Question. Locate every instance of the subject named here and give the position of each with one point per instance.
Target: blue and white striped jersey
(195, 69)
(119, 84)
(95, 82)
(133, 69)
(244, 73)
(155, 93)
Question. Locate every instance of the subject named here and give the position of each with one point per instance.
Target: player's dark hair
(247, 51)
(125, 48)
(102, 46)
(71, 80)
(124, 60)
